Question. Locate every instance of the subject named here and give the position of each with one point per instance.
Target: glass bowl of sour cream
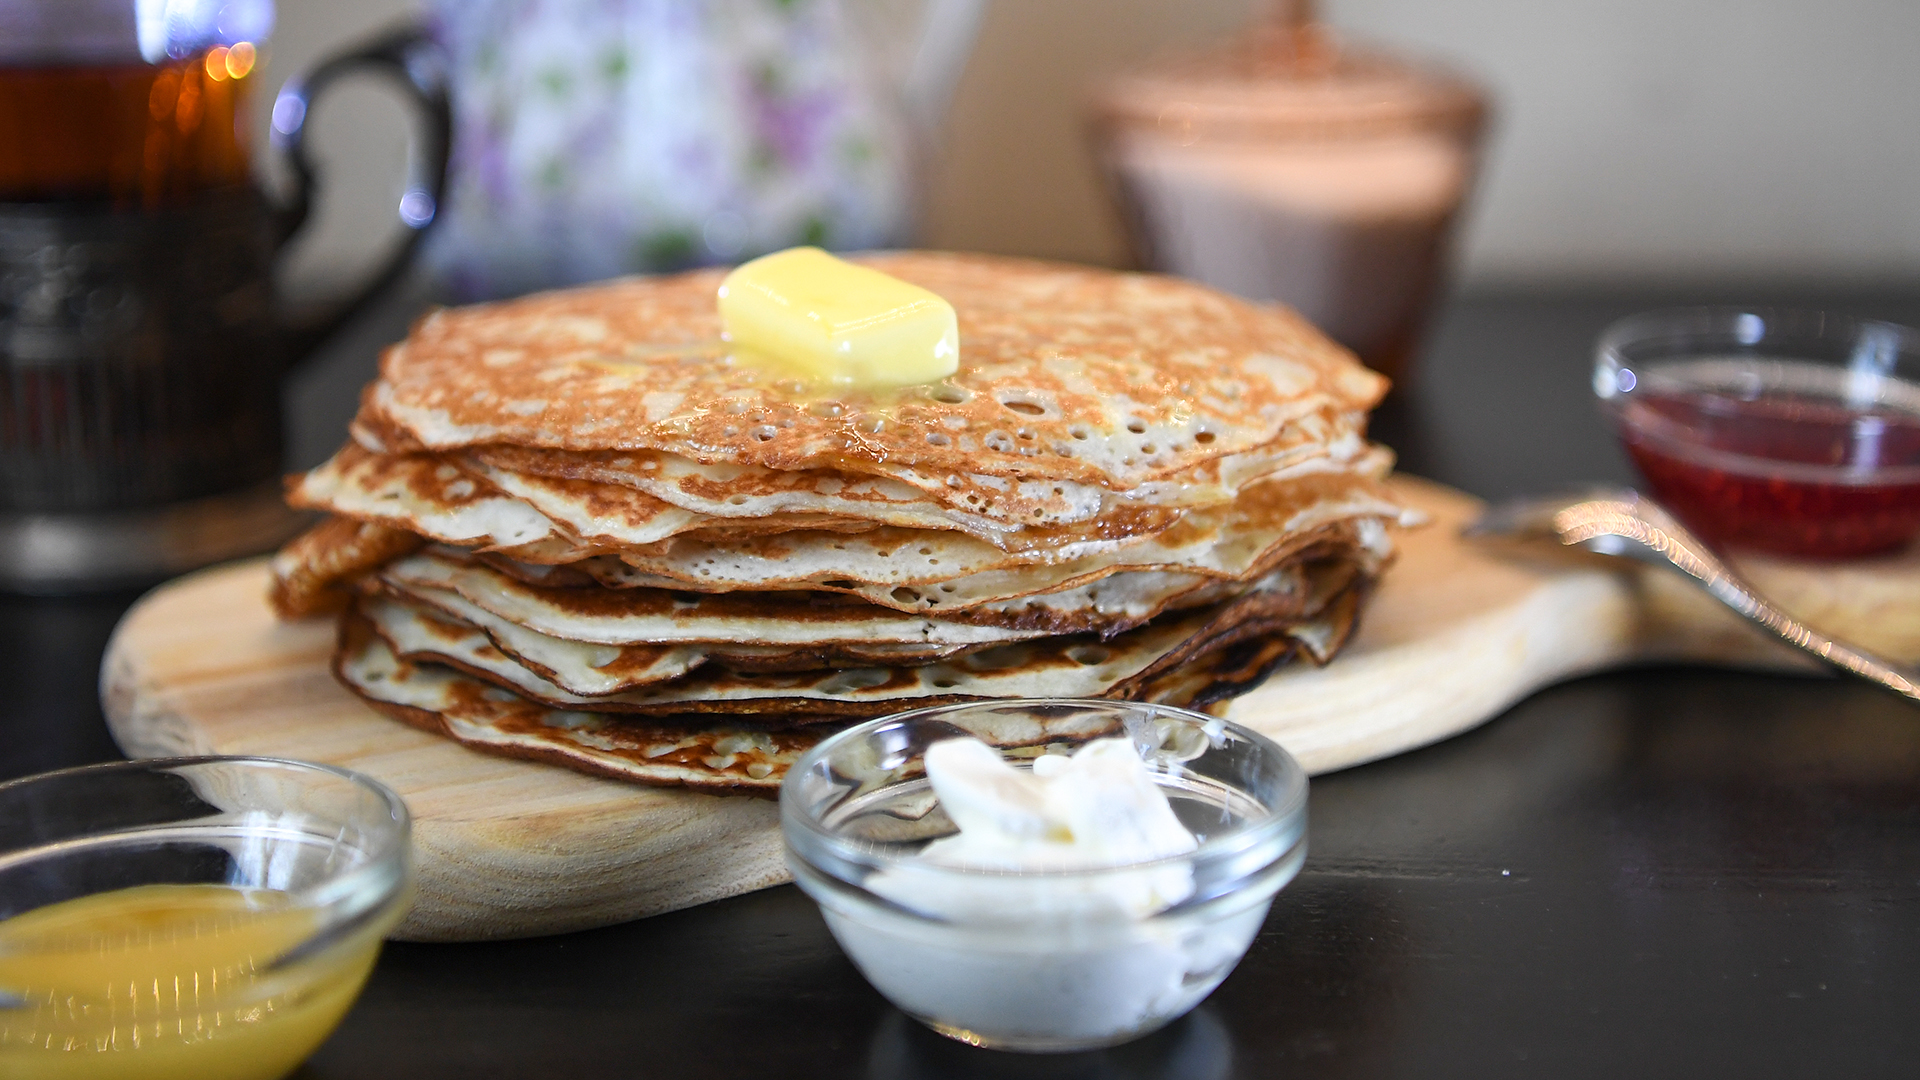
(1045, 875)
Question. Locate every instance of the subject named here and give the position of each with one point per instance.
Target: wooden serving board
(507, 848)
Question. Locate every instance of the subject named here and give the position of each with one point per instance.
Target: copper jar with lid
(1286, 166)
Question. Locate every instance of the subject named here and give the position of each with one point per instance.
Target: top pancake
(1065, 373)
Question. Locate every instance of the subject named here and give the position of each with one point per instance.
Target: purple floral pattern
(601, 137)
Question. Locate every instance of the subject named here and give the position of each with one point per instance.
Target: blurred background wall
(1635, 140)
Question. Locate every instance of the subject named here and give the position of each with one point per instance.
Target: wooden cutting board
(507, 848)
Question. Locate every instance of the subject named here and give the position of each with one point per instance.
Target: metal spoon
(1625, 523)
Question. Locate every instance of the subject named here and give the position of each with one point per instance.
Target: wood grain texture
(508, 848)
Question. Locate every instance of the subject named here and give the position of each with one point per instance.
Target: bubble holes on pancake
(1083, 337)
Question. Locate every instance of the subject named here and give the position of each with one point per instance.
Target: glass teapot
(142, 342)
(602, 137)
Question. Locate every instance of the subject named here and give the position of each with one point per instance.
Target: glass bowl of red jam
(1790, 432)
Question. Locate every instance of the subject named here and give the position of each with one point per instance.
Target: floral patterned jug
(603, 137)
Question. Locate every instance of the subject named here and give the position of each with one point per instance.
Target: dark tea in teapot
(130, 132)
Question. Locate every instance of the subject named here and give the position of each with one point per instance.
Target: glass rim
(1286, 814)
(389, 857)
(1746, 326)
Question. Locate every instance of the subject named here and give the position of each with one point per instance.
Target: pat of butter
(831, 320)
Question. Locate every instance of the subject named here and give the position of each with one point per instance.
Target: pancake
(424, 495)
(985, 506)
(307, 572)
(1067, 374)
(752, 750)
(914, 571)
(648, 616)
(875, 563)
(443, 499)
(722, 756)
(1057, 666)
(582, 667)
(563, 512)
(574, 527)
(706, 754)
(1242, 658)
(616, 517)
(727, 491)
(1108, 604)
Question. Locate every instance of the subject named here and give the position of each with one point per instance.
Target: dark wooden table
(1664, 872)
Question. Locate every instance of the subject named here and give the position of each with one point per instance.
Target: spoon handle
(1600, 524)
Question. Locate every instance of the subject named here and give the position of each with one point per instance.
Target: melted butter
(832, 322)
(165, 981)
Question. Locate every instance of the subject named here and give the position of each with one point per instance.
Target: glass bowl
(1793, 432)
(208, 917)
(1043, 960)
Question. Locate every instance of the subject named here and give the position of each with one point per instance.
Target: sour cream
(1030, 946)
(1094, 810)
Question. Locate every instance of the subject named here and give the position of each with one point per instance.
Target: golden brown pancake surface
(1065, 373)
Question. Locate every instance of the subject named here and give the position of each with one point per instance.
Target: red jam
(1780, 472)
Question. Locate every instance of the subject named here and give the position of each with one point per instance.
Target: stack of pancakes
(575, 527)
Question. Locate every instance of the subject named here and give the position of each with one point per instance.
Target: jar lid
(1288, 81)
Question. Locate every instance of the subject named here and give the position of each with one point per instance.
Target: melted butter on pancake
(848, 326)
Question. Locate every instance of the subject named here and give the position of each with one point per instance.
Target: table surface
(1669, 871)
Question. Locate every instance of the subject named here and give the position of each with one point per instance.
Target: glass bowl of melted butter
(208, 917)
(1045, 875)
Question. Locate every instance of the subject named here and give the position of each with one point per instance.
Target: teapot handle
(419, 67)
